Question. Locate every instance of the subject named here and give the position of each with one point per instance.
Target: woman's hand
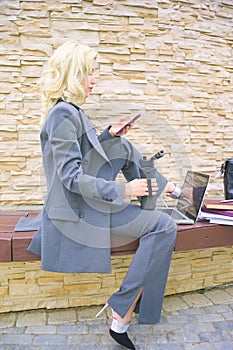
(118, 125)
(139, 187)
(169, 187)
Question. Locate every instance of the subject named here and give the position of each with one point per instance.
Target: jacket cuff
(105, 135)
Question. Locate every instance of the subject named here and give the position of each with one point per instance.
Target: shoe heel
(100, 312)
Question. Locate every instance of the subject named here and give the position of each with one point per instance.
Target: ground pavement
(192, 321)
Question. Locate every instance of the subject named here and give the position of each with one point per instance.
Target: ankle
(118, 326)
(126, 319)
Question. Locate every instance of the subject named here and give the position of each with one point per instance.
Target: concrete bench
(13, 245)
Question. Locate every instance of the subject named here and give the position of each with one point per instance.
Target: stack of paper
(217, 211)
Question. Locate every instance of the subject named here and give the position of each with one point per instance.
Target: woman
(85, 207)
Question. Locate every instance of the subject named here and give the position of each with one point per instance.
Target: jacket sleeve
(133, 169)
(64, 132)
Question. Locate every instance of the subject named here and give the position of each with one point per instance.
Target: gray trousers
(149, 267)
(156, 232)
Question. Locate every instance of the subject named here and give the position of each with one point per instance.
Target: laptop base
(177, 216)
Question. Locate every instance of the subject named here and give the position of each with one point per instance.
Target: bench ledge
(13, 245)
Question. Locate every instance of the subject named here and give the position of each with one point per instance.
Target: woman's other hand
(139, 187)
(169, 187)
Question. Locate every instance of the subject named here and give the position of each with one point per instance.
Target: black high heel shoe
(118, 331)
(122, 339)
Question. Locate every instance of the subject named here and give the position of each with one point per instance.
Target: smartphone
(130, 122)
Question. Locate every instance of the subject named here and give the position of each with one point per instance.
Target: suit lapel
(93, 138)
(91, 132)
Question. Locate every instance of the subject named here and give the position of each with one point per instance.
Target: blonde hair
(67, 68)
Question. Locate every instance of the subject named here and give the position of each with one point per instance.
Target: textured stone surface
(172, 60)
(51, 290)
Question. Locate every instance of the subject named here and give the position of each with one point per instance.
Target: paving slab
(173, 303)
(219, 296)
(31, 318)
(199, 300)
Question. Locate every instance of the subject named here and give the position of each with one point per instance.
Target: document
(216, 218)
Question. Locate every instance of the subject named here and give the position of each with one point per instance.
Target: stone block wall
(170, 60)
(24, 286)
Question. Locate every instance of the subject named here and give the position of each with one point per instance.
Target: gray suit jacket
(75, 227)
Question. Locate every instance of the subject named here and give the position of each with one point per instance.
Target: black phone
(128, 123)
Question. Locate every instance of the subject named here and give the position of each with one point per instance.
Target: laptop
(189, 204)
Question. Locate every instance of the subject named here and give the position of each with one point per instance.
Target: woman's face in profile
(89, 82)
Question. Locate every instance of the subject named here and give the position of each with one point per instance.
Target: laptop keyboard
(173, 213)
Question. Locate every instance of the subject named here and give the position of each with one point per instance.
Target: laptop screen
(193, 191)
